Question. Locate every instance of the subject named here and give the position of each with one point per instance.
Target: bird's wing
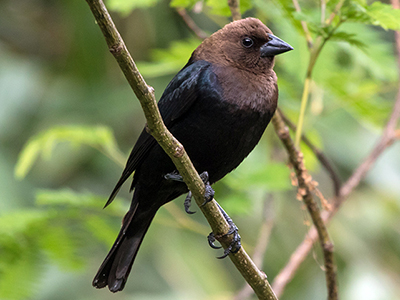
(182, 91)
(178, 96)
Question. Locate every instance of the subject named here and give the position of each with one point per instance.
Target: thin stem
(323, 10)
(303, 25)
(304, 100)
(314, 54)
(200, 34)
(335, 12)
(234, 6)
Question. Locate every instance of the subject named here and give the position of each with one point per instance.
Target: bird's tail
(116, 267)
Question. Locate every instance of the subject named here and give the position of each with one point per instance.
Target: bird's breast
(245, 90)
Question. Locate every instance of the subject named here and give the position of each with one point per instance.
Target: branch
(318, 153)
(389, 135)
(200, 34)
(304, 25)
(304, 189)
(175, 150)
(235, 9)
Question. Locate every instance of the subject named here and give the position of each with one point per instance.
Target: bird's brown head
(245, 44)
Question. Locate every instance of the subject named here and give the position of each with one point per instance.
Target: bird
(218, 106)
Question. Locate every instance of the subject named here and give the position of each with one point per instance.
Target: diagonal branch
(175, 150)
(305, 187)
(318, 153)
(200, 34)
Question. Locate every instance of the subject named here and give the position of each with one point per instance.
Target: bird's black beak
(274, 47)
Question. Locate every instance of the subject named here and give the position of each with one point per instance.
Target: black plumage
(218, 107)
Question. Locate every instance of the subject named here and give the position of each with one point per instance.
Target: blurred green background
(68, 120)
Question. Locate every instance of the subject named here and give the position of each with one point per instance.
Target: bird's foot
(174, 176)
(208, 193)
(235, 243)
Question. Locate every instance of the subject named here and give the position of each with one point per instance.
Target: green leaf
(99, 228)
(168, 61)
(355, 11)
(350, 38)
(378, 14)
(126, 6)
(61, 247)
(273, 177)
(301, 16)
(384, 15)
(67, 197)
(98, 137)
(16, 223)
(219, 7)
(19, 276)
(183, 3)
(20, 262)
(73, 199)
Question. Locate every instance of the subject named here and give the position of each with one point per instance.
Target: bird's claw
(211, 239)
(188, 202)
(208, 193)
(173, 176)
(233, 247)
(235, 244)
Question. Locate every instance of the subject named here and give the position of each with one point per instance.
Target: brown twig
(304, 25)
(304, 181)
(145, 94)
(200, 34)
(318, 153)
(335, 12)
(235, 9)
(389, 135)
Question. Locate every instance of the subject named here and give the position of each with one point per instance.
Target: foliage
(354, 84)
(98, 137)
(216, 7)
(168, 61)
(52, 231)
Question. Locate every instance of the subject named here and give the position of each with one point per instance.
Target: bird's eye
(247, 42)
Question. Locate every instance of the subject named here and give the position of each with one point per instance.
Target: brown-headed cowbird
(218, 107)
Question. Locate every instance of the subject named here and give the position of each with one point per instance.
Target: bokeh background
(68, 120)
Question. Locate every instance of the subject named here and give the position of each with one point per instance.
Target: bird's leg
(208, 193)
(235, 245)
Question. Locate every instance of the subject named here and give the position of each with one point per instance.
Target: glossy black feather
(177, 98)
